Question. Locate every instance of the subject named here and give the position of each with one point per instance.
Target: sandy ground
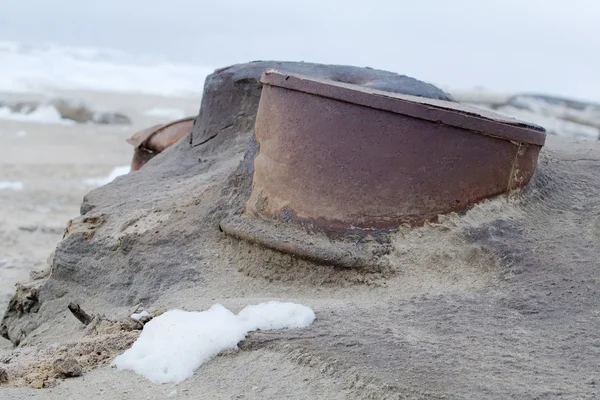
(52, 161)
(218, 381)
(501, 302)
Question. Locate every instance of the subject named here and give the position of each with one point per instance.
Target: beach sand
(52, 162)
(480, 305)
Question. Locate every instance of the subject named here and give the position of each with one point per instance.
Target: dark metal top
(445, 112)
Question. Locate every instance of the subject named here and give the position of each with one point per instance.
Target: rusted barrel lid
(342, 159)
(441, 111)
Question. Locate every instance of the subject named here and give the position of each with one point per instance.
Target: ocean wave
(11, 185)
(112, 175)
(51, 67)
(44, 114)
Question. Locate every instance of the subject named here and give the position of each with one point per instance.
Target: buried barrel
(342, 158)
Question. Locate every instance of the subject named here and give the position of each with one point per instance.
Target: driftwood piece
(81, 315)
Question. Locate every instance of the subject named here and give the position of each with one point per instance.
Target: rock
(71, 109)
(3, 376)
(67, 368)
(24, 107)
(78, 111)
(110, 118)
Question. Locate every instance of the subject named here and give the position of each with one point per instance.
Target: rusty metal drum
(341, 157)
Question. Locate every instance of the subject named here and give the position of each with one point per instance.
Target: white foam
(43, 114)
(114, 173)
(175, 344)
(39, 69)
(11, 185)
(165, 113)
(276, 315)
(138, 316)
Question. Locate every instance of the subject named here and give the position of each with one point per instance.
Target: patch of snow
(173, 393)
(175, 344)
(11, 185)
(165, 113)
(44, 114)
(20, 134)
(138, 316)
(116, 172)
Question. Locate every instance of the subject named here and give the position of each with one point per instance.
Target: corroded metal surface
(153, 140)
(341, 157)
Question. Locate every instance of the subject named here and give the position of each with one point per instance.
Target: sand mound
(499, 301)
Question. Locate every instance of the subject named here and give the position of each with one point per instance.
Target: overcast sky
(507, 45)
